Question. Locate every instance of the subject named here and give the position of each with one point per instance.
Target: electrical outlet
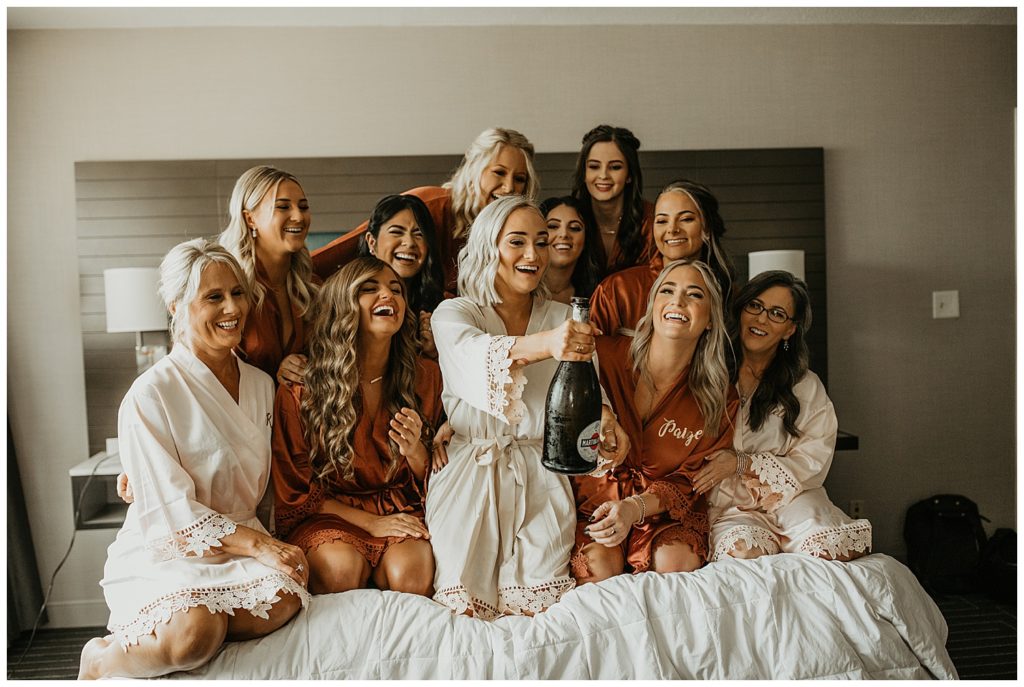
(945, 304)
(856, 508)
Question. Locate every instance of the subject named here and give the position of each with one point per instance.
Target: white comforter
(782, 617)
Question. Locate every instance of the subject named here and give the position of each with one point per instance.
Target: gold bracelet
(636, 498)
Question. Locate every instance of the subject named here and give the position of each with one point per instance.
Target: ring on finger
(579, 348)
(300, 567)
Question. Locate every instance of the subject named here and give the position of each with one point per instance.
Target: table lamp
(791, 261)
(134, 305)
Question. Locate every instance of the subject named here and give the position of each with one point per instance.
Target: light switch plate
(945, 304)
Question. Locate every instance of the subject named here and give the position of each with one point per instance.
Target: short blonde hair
(479, 259)
(181, 271)
(464, 184)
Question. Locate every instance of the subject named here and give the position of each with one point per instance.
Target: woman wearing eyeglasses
(766, 493)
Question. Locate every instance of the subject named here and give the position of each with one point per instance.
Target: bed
(783, 617)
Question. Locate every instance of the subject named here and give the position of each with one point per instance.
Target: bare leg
(187, 641)
(336, 567)
(843, 557)
(407, 567)
(675, 556)
(741, 550)
(602, 561)
(244, 625)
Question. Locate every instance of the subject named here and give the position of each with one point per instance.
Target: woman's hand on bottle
(292, 369)
(611, 522)
(406, 431)
(717, 466)
(572, 340)
(281, 556)
(614, 446)
(442, 437)
(398, 525)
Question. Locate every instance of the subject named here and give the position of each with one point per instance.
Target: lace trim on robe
(288, 518)
(516, 600)
(505, 381)
(686, 532)
(678, 506)
(369, 550)
(579, 565)
(196, 539)
(781, 483)
(839, 541)
(754, 537)
(257, 596)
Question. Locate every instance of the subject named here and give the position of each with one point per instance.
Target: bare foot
(91, 652)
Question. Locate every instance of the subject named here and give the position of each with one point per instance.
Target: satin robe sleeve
(604, 311)
(475, 364)
(675, 489)
(805, 463)
(296, 494)
(173, 523)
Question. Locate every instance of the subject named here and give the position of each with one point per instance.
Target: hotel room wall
(916, 123)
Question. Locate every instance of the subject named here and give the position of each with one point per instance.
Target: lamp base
(147, 356)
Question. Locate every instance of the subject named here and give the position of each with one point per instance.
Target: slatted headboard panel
(130, 213)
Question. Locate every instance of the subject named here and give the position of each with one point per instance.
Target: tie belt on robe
(506, 451)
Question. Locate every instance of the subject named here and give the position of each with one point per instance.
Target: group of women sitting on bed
(402, 443)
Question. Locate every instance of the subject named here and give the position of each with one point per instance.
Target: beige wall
(916, 122)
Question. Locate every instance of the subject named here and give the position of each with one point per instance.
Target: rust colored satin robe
(342, 250)
(665, 455)
(620, 300)
(263, 343)
(297, 496)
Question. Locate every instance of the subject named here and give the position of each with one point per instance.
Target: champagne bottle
(572, 414)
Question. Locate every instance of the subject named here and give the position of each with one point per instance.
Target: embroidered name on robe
(683, 434)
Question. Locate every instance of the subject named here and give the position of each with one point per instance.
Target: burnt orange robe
(665, 455)
(298, 496)
(620, 300)
(617, 262)
(330, 258)
(263, 343)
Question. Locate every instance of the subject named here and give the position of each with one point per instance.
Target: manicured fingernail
(591, 518)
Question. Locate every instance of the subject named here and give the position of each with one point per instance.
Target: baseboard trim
(77, 614)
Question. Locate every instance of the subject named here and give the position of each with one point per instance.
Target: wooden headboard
(131, 213)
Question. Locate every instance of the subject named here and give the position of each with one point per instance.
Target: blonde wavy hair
(709, 372)
(479, 258)
(464, 184)
(251, 188)
(332, 401)
(181, 272)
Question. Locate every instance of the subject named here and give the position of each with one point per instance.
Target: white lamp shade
(133, 304)
(791, 261)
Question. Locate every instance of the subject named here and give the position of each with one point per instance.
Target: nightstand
(101, 507)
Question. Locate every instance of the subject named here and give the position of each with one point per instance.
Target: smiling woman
(268, 222)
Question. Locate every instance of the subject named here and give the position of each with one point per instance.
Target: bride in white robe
(501, 525)
(194, 438)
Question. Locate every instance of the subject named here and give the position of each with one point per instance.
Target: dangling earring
(785, 344)
(252, 231)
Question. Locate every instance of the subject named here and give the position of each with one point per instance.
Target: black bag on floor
(945, 539)
(999, 566)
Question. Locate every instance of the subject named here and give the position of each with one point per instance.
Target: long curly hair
(787, 366)
(464, 183)
(711, 251)
(426, 289)
(630, 236)
(586, 274)
(250, 188)
(332, 401)
(709, 373)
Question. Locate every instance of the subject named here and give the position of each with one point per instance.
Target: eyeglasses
(778, 315)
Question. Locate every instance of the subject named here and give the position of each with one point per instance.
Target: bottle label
(588, 441)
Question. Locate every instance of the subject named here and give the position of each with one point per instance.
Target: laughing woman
(687, 226)
(268, 222)
(401, 233)
(767, 492)
(670, 386)
(350, 450)
(501, 525)
(499, 162)
(194, 433)
(574, 268)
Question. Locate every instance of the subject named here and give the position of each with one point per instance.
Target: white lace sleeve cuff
(783, 485)
(505, 381)
(196, 539)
